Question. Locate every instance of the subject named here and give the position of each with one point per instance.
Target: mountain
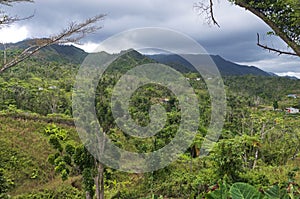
(70, 53)
(291, 77)
(55, 52)
(225, 67)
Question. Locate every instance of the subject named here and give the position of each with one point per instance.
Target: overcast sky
(235, 40)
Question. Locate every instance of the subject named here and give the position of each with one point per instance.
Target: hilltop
(55, 52)
(70, 53)
(226, 68)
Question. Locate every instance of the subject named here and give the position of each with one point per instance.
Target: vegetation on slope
(258, 146)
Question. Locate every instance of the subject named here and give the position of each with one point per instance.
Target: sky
(235, 40)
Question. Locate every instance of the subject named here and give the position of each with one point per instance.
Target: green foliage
(284, 13)
(24, 151)
(58, 193)
(240, 190)
(259, 90)
(4, 184)
(283, 16)
(38, 86)
(222, 192)
(258, 146)
(243, 191)
(54, 141)
(88, 180)
(276, 193)
(227, 159)
(71, 158)
(70, 149)
(275, 105)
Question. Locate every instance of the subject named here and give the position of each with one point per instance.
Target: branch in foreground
(9, 2)
(273, 49)
(208, 10)
(72, 34)
(271, 24)
(7, 20)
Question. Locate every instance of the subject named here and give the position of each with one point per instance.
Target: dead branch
(203, 8)
(72, 34)
(9, 2)
(273, 49)
(7, 20)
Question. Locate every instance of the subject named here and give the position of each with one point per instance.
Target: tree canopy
(282, 16)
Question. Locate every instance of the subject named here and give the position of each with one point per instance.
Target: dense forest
(41, 155)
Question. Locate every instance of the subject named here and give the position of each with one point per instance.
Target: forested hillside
(41, 155)
(225, 67)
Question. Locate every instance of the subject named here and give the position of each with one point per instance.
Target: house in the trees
(292, 110)
(164, 100)
(292, 95)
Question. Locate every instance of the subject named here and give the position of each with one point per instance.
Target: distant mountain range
(225, 67)
(70, 53)
(55, 52)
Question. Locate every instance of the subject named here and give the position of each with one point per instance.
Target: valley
(42, 156)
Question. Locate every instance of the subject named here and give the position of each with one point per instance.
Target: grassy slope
(24, 151)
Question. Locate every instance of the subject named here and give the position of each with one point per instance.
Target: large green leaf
(221, 193)
(273, 192)
(241, 190)
(276, 193)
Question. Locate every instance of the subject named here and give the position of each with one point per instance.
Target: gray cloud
(235, 40)
(278, 64)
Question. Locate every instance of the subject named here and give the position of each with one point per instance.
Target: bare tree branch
(72, 34)
(203, 8)
(273, 49)
(9, 2)
(6, 20)
(212, 13)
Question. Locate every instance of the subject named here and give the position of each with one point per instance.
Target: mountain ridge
(225, 67)
(54, 52)
(73, 54)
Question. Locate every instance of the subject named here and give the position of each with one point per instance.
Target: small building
(292, 110)
(164, 100)
(292, 95)
(52, 87)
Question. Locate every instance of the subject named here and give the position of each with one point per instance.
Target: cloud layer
(235, 40)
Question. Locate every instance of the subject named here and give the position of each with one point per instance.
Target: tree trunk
(99, 181)
(4, 54)
(97, 186)
(87, 195)
(262, 137)
(255, 159)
